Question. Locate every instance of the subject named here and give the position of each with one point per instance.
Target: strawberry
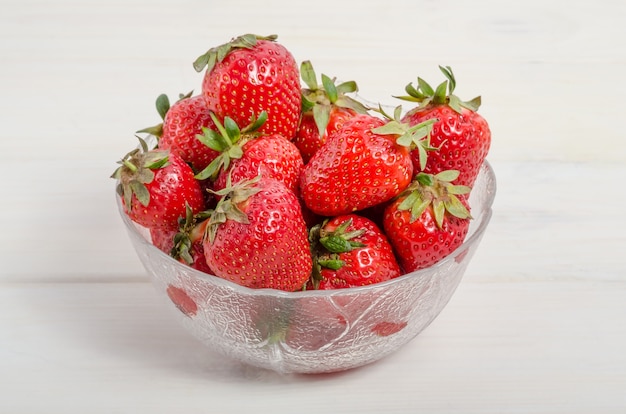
(184, 243)
(428, 221)
(245, 154)
(182, 300)
(350, 251)
(156, 186)
(185, 119)
(365, 163)
(461, 135)
(257, 237)
(271, 155)
(325, 108)
(387, 328)
(251, 74)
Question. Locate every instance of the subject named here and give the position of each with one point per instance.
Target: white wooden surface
(537, 325)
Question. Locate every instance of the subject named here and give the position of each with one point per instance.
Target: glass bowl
(312, 331)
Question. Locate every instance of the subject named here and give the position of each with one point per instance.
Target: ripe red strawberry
(428, 221)
(251, 74)
(156, 186)
(271, 155)
(185, 119)
(350, 251)
(325, 108)
(257, 237)
(185, 243)
(245, 154)
(461, 135)
(365, 163)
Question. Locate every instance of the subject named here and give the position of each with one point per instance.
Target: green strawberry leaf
(455, 103)
(393, 128)
(145, 175)
(307, 73)
(255, 123)
(414, 93)
(412, 198)
(336, 244)
(329, 87)
(454, 206)
(231, 129)
(447, 72)
(216, 54)
(458, 189)
(350, 103)
(425, 179)
(156, 130)
(128, 198)
(227, 208)
(321, 116)
(234, 213)
(162, 105)
(347, 87)
(307, 104)
(441, 93)
(212, 140)
(332, 263)
(427, 90)
(156, 159)
(182, 247)
(422, 156)
(418, 209)
(439, 210)
(140, 191)
(448, 175)
(211, 170)
(472, 105)
(235, 152)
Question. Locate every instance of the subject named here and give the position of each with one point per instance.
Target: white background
(537, 324)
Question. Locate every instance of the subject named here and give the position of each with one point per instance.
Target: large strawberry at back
(249, 75)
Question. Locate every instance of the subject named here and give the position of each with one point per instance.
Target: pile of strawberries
(271, 183)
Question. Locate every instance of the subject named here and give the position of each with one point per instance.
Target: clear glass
(312, 331)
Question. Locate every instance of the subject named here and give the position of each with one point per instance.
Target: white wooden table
(536, 326)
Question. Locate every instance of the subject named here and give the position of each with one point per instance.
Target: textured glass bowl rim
(474, 237)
